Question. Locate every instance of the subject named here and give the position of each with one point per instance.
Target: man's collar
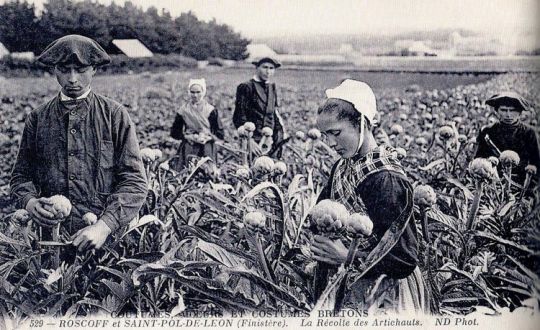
(64, 97)
(256, 78)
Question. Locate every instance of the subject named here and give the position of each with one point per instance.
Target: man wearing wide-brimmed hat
(80, 145)
(256, 102)
(510, 133)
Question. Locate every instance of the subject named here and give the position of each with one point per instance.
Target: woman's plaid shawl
(351, 172)
(348, 175)
(359, 291)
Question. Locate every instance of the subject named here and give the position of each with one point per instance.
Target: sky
(266, 18)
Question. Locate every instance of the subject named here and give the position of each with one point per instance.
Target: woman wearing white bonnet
(197, 125)
(368, 179)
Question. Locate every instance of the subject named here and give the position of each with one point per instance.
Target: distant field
(227, 79)
(476, 64)
(461, 64)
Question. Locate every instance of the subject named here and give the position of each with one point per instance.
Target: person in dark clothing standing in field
(509, 133)
(80, 145)
(256, 102)
(197, 124)
(369, 179)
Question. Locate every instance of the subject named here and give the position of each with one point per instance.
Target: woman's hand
(328, 251)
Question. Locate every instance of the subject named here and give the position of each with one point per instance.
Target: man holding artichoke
(82, 146)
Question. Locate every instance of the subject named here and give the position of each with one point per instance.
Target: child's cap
(509, 99)
(359, 94)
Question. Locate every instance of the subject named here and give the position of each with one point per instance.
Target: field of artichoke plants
(235, 234)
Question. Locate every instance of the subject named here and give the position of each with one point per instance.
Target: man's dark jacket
(86, 150)
(519, 138)
(256, 102)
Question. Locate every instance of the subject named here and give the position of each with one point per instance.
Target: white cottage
(132, 48)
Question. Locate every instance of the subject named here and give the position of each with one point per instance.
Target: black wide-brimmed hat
(267, 59)
(74, 48)
(509, 99)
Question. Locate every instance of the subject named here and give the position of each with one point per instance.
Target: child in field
(197, 124)
(509, 133)
(369, 179)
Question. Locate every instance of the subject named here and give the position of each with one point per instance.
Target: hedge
(20, 67)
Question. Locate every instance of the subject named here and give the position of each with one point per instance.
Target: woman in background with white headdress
(197, 125)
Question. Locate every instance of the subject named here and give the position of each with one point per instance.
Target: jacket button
(73, 131)
(72, 177)
(72, 154)
(73, 113)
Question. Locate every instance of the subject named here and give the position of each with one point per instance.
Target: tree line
(21, 29)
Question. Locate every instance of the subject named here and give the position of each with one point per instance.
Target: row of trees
(22, 30)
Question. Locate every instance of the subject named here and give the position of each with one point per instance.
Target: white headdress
(361, 96)
(201, 82)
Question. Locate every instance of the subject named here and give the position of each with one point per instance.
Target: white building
(420, 48)
(476, 45)
(3, 50)
(414, 46)
(132, 48)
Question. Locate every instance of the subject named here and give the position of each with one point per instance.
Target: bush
(122, 63)
(17, 67)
